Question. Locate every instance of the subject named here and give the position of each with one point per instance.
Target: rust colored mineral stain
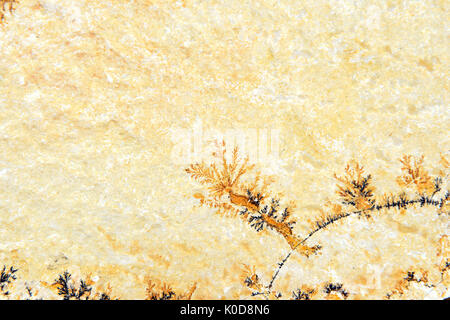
(281, 227)
(241, 200)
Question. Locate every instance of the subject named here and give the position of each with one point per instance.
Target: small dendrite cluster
(83, 291)
(303, 294)
(260, 219)
(415, 176)
(418, 276)
(443, 253)
(336, 291)
(329, 291)
(6, 6)
(7, 276)
(222, 179)
(165, 292)
(252, 281)
(69, 291)
(355, 189)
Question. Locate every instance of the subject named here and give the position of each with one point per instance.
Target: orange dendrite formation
(69, 287)
(165, 292)
(356, 193)
(227, 191)
(414, 175)
(354, 188)
(6, 6)
(233, 188)
(403, 285)
(252, 281)
(420, 277)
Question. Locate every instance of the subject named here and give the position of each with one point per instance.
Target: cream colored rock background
(92, 94)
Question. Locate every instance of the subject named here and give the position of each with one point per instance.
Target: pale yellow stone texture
(93, 94)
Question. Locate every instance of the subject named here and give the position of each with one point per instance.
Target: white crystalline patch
(33, 97)
(4, 173)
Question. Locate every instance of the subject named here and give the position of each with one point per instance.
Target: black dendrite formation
(104, 296)
(7, 276)
(260, 219)
(69, 291)
(303, 294)
(162, 296)
(354, 188)
(165, 292)
(361, 189)
(355, 191)
(335, 288)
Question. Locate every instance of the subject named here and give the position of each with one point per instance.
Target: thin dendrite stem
(402, 203)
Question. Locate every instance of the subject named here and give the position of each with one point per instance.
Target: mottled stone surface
(102, 102)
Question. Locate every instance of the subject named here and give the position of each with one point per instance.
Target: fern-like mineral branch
(6, 6)
(223, 178)
(269, 216)
(165, 292)
(7, 276)
(355, 191)
(68, 291)
(321, 225)
(354, 188)
(415, 175)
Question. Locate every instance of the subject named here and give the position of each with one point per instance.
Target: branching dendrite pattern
(355, 192)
